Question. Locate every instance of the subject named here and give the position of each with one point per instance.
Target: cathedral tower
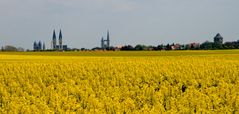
(44, 46)
(39, 46)
(35, 46)
(105, 43)
(54, 41)
(102, 43)
(60, 41)
(108, 39)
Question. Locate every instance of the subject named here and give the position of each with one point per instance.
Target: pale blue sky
(150, 22)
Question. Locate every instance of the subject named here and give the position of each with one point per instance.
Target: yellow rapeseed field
(120, 82)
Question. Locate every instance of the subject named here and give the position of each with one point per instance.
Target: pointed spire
(54, 40)
(60, 35)
(44, 46)
(108, 35)
(35, 46)
(39, 45)
(35, 42)
(54, 34)
(102, 42)
(108, 39)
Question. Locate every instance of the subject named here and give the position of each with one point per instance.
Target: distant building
(54, 40)
(218, 39)
(118, 48)
(35, 46)
(60, 46)
(105, 44)
(176, 47)
(193, 46)
(43, 46)
(60, 41)
(38, 46)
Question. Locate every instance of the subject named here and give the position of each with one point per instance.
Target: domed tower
(54, 40)
(44, 46)
(35, 47)
(218, 39)
(39, 45)
(60, 41)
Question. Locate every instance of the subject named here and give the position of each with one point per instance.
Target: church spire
(108, 35)
(44, 46)
(60, 41)
(108, 39)
(102, 43)
(54, 34)
(60, 35)
(35, 46)
(54, 40)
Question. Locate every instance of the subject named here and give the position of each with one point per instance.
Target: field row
(172, 84)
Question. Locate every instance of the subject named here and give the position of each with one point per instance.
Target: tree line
(140, 47)
(193, 46)
(10, 48)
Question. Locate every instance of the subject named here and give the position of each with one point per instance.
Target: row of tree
(194, 46)
(227, 45)
(11, 48)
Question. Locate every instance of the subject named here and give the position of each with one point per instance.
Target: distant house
(176, 47)
(193, 46)
(118, 48)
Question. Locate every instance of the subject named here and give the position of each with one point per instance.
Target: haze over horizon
(84, 22)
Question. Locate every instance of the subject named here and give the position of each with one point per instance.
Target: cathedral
(60, 45)
(105, 44)
(38, 46)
